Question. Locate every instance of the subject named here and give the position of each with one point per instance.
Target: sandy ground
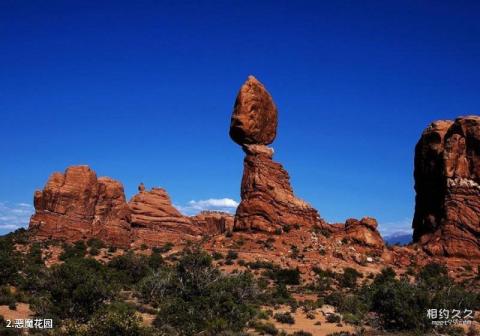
(309, 325)
(22, 312)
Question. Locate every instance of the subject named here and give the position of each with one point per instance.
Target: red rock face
(363, 232)
(213, 222)
(254, 118)
(268, 202)
(447, 183)
(155, 221)
(76, 205)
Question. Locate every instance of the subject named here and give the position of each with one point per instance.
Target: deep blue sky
(143, 91)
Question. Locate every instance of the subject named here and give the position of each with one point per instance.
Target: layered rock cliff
(78, 205)
(447, 184)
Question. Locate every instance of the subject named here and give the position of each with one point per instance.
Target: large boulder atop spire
(254, 118)
(268, 202)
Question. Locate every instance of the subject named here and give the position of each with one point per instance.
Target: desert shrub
(287, 276)
(155, 261)
(95, 243)
(4, 331)
(286, 228)
(130, 268)
(265, 328)
(77, 250)
(261, 264)
(194, 296)
(302, 333)
(93, 251)
(333, 318)
(113, 323)
(286, 318)
(163, 249)
(401, 305)
(217, 255)
(6, 296)
(433, 276)
(75, 290)
(232, 255)
(10, 262)
(348, 279)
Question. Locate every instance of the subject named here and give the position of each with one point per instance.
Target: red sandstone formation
(155, 221)
(363, 232)
(447, 182)
(254, 118)
(76, 205)
(213, 222)
(268, 202)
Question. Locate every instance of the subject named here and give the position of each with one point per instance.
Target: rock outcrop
(254, 118)
(268, 202)
(363, 232)
(213, 222)
(76, 205)
(447, 183)
(156, 221)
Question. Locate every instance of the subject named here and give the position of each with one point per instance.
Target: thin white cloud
(212, 204)
(403, 226)
(14, 215)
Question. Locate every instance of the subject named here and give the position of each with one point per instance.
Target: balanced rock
(254, 118)
(268, 203)
(447, 184)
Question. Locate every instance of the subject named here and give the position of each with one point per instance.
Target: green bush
(96, 243)
(75, 290)
(194, 296)
(232, 255)
(130, 268)
(77, 250)
(348, 279)
(286, 318)
(163, 249)
(265, 328)
(333, 318)
(287, 276)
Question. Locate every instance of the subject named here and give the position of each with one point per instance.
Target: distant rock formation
(268, 202)
(77, 205)
(447, 183)
(363, 232)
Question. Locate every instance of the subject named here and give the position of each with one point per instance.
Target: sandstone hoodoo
(447, 183)
(268, 202)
